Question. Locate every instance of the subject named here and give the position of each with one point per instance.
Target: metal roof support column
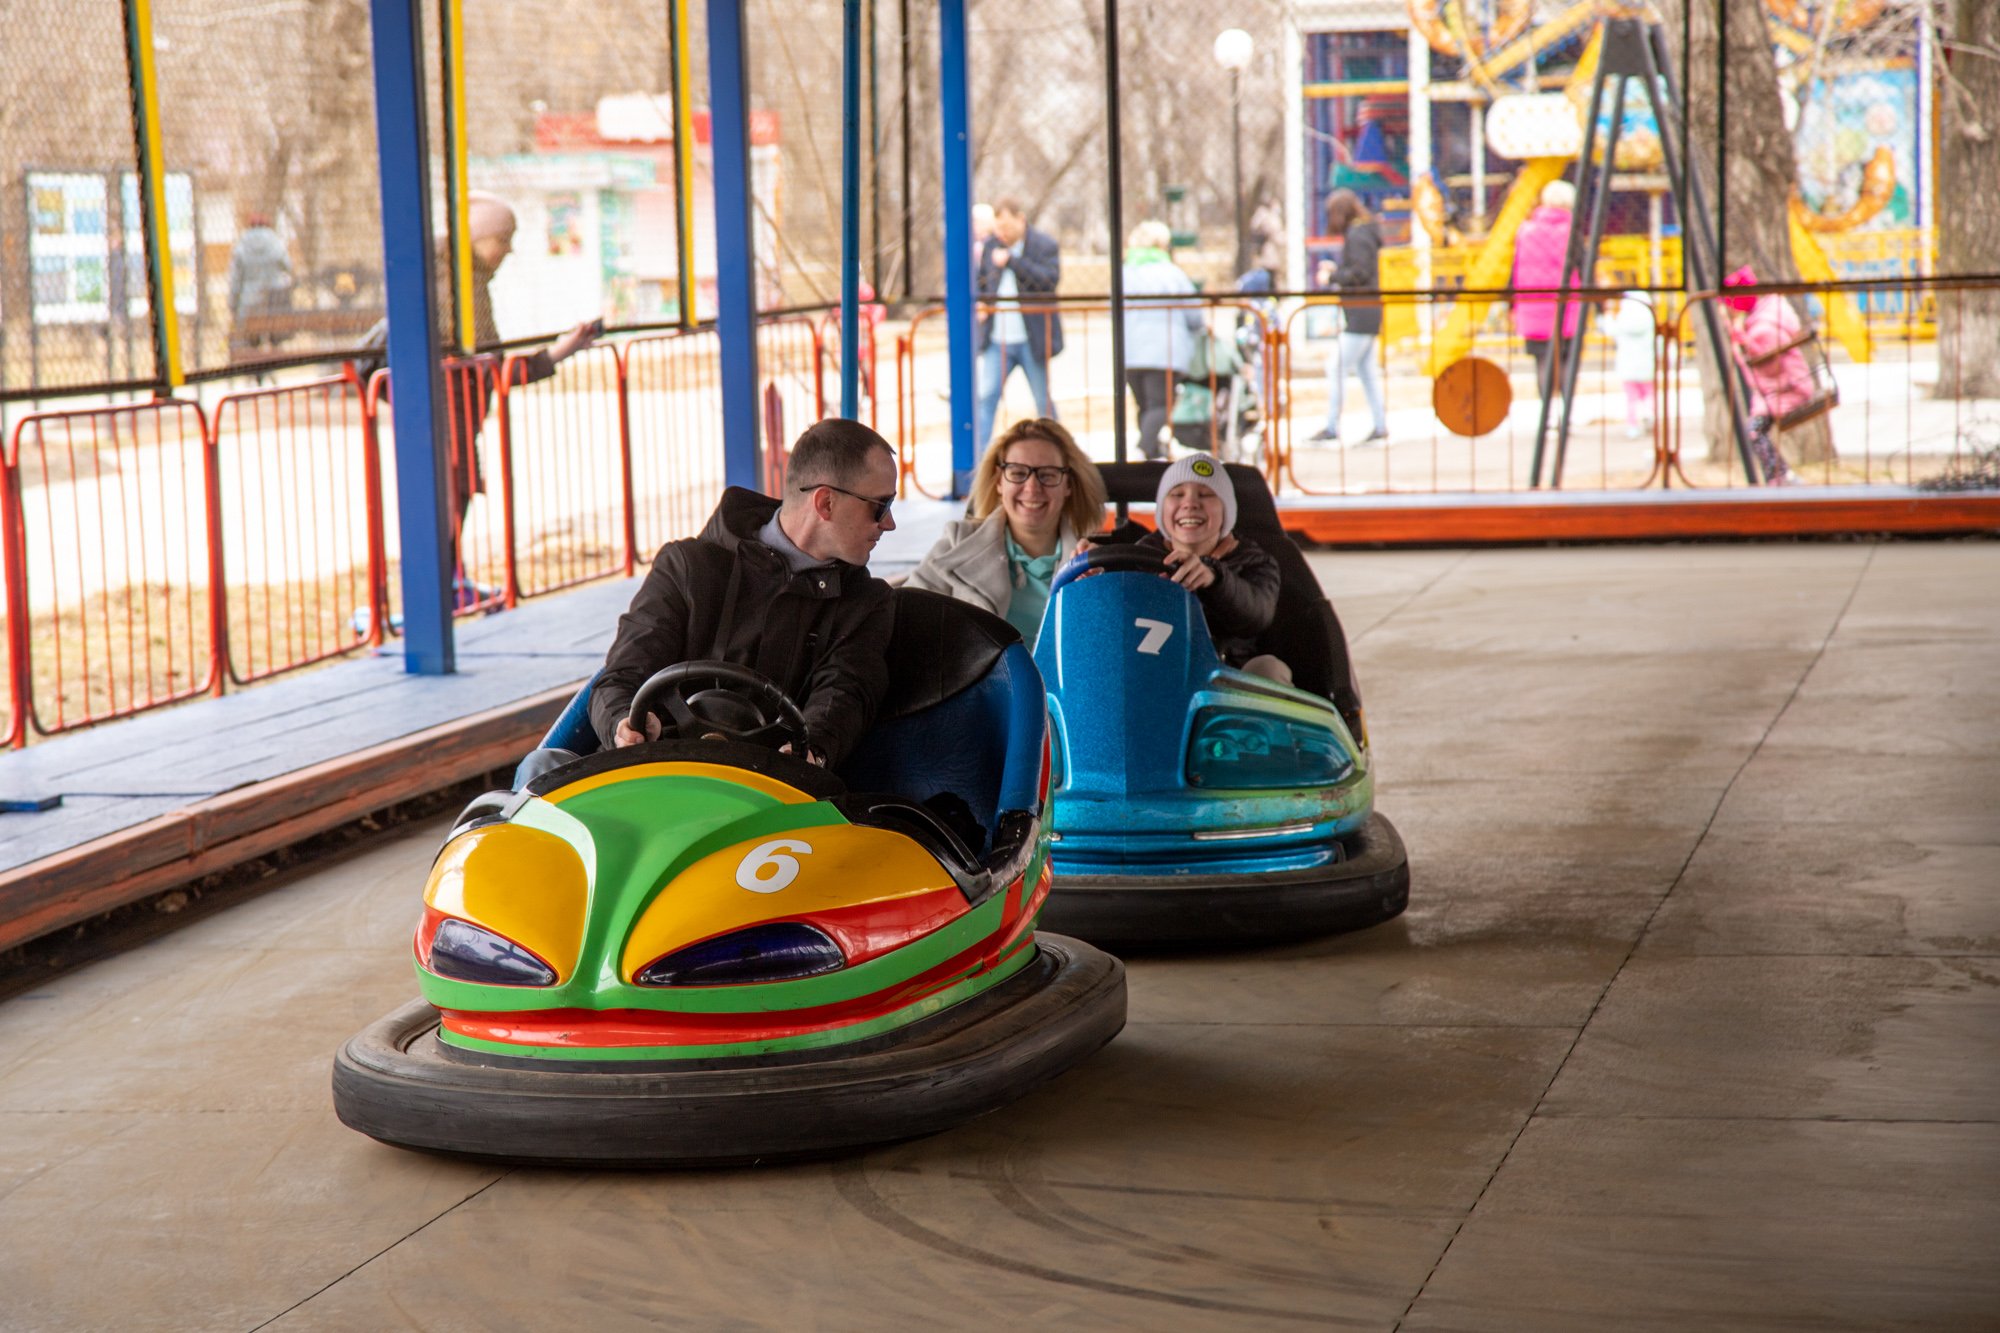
(955, 113)
(735, 252)
(159, 248)
(850, 210)
(682, 82)
(408, 286)
(1114, 177)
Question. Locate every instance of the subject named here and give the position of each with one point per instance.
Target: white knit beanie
(1210, 473)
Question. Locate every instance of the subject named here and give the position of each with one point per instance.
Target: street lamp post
(1233, 48)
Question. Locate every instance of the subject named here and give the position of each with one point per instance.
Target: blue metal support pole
(409, 280)
(850, 211)
(735, 254)
(955, 113)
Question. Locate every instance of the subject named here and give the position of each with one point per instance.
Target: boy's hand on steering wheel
(811, 757)
(1190, 571)
(628, 735)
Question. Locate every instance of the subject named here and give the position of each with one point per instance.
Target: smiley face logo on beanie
(1203, 468)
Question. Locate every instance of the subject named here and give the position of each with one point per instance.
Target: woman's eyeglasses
(1017, 474)
(879, 507)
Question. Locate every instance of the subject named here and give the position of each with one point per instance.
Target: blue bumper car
(1195, 803)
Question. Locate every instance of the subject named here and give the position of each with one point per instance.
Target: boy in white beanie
(1236, 581)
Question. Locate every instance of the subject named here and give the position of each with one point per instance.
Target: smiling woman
(1034, 496)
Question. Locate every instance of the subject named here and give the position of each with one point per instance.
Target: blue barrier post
(735, 255)
(408, 288)
(955, 102)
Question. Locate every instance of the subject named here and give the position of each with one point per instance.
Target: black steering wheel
(1111, 560)
(699, 700)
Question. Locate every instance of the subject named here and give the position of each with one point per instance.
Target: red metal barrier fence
(112, 564)
(153, 551)
(480, 533)
(672, 398)
(1219, 405)
(294, 573)
(566, 473)
(1886, 429)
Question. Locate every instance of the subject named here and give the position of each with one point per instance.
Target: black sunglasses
(878, 507)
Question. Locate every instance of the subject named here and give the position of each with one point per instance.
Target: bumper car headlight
(1236, 750)
(465, 952)
(776, 951)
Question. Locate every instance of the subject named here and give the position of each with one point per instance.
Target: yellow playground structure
(1543, 131)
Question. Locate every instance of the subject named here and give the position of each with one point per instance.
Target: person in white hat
(1236, 581)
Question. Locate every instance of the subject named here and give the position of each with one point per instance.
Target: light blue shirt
(1008, 325)
(1031, 576)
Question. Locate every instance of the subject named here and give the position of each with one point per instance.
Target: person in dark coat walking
(1359, 269)
(260, 284)
(1018, 267)
(470, 382)
(780, 586)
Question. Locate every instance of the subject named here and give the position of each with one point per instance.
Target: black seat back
(959, 683)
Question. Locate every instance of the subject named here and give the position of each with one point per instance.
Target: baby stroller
(1226, 419)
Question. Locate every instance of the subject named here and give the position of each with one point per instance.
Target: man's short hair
(833, 452)
(1009, 205)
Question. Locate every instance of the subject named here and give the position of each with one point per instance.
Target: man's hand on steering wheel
(629, 735)
(715, 701)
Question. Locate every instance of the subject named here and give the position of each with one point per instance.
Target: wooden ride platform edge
(240, 825)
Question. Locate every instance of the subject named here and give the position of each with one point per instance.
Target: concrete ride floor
(1692, 1023)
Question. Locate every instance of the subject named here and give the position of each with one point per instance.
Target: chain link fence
(72, 266)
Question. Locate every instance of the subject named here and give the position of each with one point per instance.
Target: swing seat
(1826, 392)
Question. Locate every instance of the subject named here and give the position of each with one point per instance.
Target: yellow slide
(1493, 266)
(1843, 318)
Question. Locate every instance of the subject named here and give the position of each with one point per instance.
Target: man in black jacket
(780, 587)
(1018, 267)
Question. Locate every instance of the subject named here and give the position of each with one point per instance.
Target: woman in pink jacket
(1538, 263)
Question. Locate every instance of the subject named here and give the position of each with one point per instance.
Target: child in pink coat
(1759, 326)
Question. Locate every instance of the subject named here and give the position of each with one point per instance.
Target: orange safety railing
(1884, 428)
(564, 461)
(673, 416)
(828, 333)
(113, 564)
(155, 552)
(299, 505)
(791, 360)
(384, 593)
(482, 534)
(1836, 422)
(1234, 391)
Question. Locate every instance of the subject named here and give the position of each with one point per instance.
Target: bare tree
(1967, 34)
(1759, 167)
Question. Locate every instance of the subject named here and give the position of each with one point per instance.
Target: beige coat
(969, 562)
